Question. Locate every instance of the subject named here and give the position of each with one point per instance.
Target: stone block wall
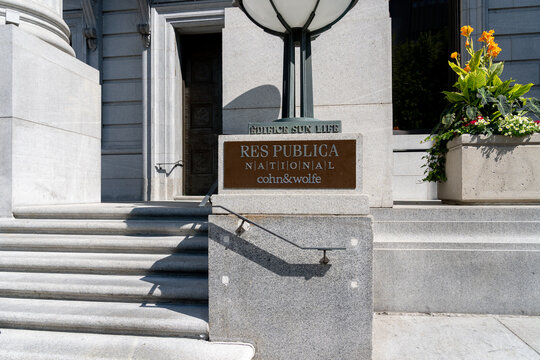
(50, 124)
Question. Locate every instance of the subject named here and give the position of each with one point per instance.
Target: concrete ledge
(475, 259)
(169, 319)
(188, 226)
(48, 345)
(294, 204)
(106, 288)
(102, 263)
(476, 279)
(103, 243)
(124, 210)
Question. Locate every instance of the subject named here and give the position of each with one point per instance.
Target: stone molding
(162, 101)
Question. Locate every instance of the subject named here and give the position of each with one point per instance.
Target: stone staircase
(77, 273)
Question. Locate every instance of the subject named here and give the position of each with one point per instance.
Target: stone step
(103, 243)
(102, 263)
(451, 231)
(126, 288)
(49, 345)
(184, 226)
(113, 210)
(460, 213)
(162, 319)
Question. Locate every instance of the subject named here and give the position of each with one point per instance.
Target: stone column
(41, 18)
(50, 107)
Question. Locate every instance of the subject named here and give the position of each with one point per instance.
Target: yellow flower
(467, 68)
(454, 55)
(466, 30)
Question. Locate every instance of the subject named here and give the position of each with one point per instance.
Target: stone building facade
(138, 48)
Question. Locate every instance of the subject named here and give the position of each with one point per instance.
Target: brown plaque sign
(290, 164)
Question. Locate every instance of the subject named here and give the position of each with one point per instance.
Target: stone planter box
(492, 169)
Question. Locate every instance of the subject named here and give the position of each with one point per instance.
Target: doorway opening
(424, 34)
(202, 111)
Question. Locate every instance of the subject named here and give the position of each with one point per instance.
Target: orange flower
(467, 68)
(493, 50)
(467, 43)
(487, 36)
(466, 30)
(454, 55)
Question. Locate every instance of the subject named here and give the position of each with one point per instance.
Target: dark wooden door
(201, 66)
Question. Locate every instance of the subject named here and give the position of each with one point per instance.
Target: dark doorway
(201, 70)
(424, 34)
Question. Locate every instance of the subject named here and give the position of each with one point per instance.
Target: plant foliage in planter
(482, 105)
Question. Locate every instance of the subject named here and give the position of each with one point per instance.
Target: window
(424, 33)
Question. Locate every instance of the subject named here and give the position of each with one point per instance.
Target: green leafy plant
(482, 105)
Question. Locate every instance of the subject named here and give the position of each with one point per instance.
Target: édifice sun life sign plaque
(289, 164)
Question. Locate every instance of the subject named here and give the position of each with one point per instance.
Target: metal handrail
(240, 230)
(159, 166)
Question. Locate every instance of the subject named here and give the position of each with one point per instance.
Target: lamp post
(297, 22)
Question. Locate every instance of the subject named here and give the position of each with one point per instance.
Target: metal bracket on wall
(160, 168)
(144, 27)
(90, 32)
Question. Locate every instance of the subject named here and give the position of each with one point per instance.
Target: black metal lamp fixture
(297, 22)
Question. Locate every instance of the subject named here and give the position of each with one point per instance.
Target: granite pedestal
(267, 283)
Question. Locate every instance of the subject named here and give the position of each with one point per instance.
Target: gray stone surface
(352, 83)
(410, 337)
(125, 210)
(102, 263)
(51, 105)
(408, 142)
(39, 18)
(476, 280)
(6, 161)
(374, 122)
(131, 291)
(126, 318)
(496, 169)
(102, 287)
(104, 243)
(526, 328)
(74, 105)
(280, 299)
(48, 345)
(457, 213)
(408, 172)
(287, 203)
(481, 259)
(187, 226)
